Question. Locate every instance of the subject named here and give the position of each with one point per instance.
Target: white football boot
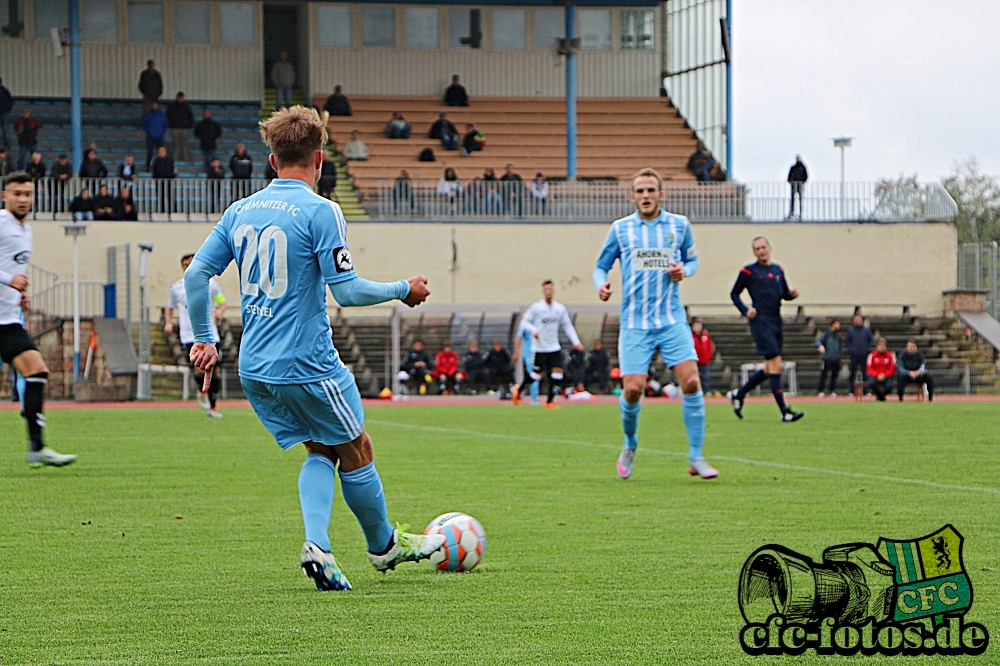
(407, 548)
(47, 456)
(322, 567)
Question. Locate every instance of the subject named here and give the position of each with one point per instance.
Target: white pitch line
(744, 461)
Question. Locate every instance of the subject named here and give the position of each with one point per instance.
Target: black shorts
(545, 361)
(14, 341)
(767, 333)
(187, 354)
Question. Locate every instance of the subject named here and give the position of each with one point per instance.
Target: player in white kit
(16, 346)
(543, 320)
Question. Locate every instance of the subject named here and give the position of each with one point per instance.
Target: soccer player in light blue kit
(289, 244)
(656, 251)
(524, 351)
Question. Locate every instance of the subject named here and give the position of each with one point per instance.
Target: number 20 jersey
(288, 244)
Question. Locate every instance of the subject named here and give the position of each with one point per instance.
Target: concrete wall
(838, 264)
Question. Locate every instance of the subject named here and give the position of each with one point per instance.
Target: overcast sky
(916, 82)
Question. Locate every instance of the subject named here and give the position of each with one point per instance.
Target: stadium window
(550, 25)
(333, 25)
(145, 21)
(191, 23)
(236, 23)
(378, 26)
(421, 27)
(637, 29)
(50, 14)
(509, 29)
(458, 27)
(11, 18)
(595, 29)
(100, 21)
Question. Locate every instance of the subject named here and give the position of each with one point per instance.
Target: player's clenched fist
(418, 291)
(604, 293)
(19, 282)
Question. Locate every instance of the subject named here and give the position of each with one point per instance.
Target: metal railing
(178, 199)
(57, 300)
(606, 200)
(979, 270)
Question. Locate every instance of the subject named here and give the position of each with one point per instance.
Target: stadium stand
(529, 133)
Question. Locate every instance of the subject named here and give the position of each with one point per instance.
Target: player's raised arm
(610, 252)
(213, 257)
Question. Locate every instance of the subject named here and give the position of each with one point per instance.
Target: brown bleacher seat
(528, 133)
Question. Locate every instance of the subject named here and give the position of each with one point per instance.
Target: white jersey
(178, 300)
(15, 253)
(544, 319)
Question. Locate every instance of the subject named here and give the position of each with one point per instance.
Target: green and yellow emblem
(930, 576)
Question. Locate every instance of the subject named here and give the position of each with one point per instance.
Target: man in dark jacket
(60, 173)
(180, 120)
(104, 205)
(208, 132)
(125, 206)
(455, 94)
(830, 345)
(859, 342)
(474, 366)
(26, 128)
(911, 368)
(216, 174)
(701, 163)
(150, 85)
(91, 167)
(128, 170)
(162, 168)
(499, 364)
(6, 104)
(337, 104)
(797, 177)
(82, 206)
(417, 367)
(599, 367)
(327, 177)
(445, 131)
(155, 125)
(240, 163)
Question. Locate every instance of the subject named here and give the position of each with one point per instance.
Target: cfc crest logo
(899, 597)
(22, 257)
(342, 258)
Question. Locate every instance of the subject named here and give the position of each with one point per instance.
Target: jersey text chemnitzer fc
(646, 248)
(288, 244)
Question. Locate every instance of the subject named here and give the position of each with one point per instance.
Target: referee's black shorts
(14, 341)
(545, 361)
(767, 333)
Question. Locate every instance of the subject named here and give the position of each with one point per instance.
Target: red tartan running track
(463, 401)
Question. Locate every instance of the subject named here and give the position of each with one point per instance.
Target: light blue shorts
(327, 411)
(636, 347)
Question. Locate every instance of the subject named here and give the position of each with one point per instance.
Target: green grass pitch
(175, 538)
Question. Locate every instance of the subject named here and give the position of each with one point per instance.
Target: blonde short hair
(648, 171)
(295, 134)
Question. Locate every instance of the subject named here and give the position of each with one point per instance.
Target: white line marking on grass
(743, 461)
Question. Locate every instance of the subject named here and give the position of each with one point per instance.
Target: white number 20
(272, 244)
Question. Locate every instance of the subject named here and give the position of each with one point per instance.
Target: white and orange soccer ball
(465, 542)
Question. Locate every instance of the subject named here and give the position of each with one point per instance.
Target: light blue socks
(362, 490)
(630, 421)
(316, 498)
(694, 421)
(534, 391)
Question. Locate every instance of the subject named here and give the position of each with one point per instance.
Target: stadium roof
(525, 3)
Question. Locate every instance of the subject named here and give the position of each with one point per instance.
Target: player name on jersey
(652, 258)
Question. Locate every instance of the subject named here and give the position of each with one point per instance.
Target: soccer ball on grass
(465, 542)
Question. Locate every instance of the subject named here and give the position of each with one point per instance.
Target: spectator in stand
(127, 170)
(6, 166)
(26, 128)
(402, 193)
(499, 364)
(797, 177)
(445, 131)
(539, 194)
(450, 188)
(269, 171)
(446, 370)
(180, 119)
(216, 174)
(355, 150)
(155, 125)
(830, 348)
(913, 370)
(6, 105)
(162, 168)
(474, 366)
(701, 163)
(397, 127)
(513, 191)
(327, 177)
(61, 172)
(492, 203)
(104, 205)
(859, 342)
(125, 206)
(881, 370)
(208, 132)
(215, 171)
(91, 167)
(599, 367)
(704, 348)
(82, 206)
(150, 85)
(337, 104)
(416, 367)
(576, 369)
(240, 163)
(283, 77)
(36, 167)
(455, 95)
(473, 140)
